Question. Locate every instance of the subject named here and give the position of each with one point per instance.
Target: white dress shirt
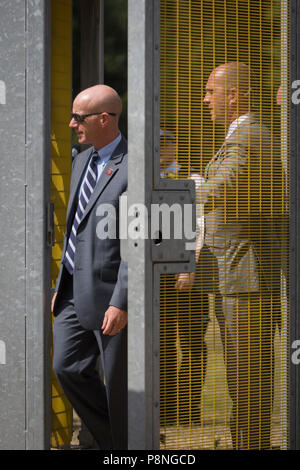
(235, 124)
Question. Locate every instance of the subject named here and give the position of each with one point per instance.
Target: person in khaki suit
(90, 302)
(243, 206)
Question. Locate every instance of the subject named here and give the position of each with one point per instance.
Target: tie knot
(95, 155)
(94, 160)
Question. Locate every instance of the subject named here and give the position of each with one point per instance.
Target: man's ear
(232, 95)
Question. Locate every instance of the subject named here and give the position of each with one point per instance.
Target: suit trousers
(101, 406)
(184, 317)
(247, 324)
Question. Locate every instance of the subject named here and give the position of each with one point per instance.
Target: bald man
(90, 303)
(242, 199)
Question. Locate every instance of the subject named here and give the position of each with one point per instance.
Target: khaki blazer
(244, 206)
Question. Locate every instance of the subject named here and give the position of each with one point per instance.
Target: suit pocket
(109, 275)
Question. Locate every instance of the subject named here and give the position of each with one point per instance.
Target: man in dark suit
(243, 205)
(90, 303)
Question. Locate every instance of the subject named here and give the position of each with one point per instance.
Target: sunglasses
(81, 117)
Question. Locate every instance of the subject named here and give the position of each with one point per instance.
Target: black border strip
(294, 278)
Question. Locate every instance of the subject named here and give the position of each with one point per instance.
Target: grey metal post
(24, 254)
(140, 149)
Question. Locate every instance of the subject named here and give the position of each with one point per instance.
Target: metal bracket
(173, 226)
(50, 237)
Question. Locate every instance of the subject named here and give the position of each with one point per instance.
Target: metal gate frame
(147, 259)
(142, 349)
(143, 127)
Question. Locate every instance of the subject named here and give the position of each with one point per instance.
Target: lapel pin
(109, 171)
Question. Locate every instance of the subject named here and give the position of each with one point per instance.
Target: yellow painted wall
(61, 96)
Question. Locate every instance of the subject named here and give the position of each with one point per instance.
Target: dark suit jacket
(100, 276)
(244, 209)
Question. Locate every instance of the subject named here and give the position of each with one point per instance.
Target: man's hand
(53, 301)
(184, 281)
(114, 321)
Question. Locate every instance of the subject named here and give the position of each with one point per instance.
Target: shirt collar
(235, 124)
(106, 152)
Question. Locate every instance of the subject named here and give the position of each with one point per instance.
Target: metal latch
(169, 222)
(173, 226)
(50, 236)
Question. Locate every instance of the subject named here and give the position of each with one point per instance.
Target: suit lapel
(214, 160)
(220, 155)
(106, 176)
(77, 173)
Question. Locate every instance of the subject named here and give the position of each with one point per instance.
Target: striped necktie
(87, 189)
